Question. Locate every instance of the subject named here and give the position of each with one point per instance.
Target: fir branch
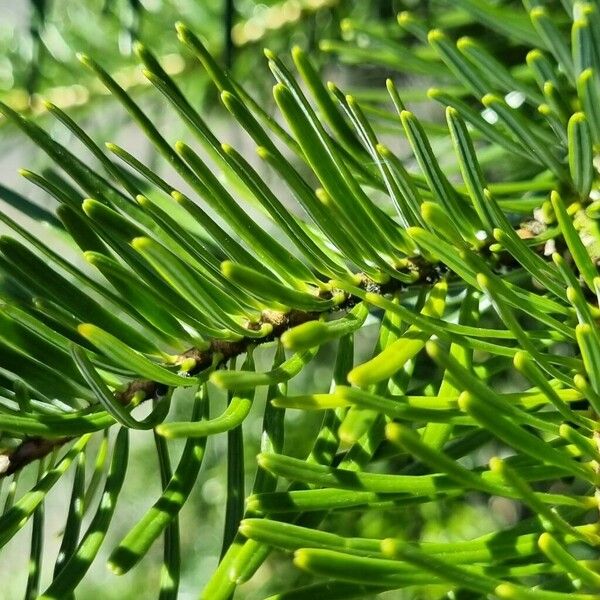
(28, 451)
(218, 353)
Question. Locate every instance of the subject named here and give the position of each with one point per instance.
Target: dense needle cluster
(474, 251)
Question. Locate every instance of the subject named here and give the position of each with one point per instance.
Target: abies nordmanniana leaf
(422, 290)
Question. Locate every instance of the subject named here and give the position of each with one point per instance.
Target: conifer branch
(217, 354)
(28, 451)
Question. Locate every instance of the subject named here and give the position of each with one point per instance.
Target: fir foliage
(474, 251)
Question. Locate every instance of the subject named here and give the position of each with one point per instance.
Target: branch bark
(35, 448)
(28, 451)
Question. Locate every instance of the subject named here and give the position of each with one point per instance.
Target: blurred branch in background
(38, 49)
(38, 17)
(228, 22)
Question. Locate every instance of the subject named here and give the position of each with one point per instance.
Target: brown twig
(223, 349)
(280, 322)
(34, 448)
(29, 450)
